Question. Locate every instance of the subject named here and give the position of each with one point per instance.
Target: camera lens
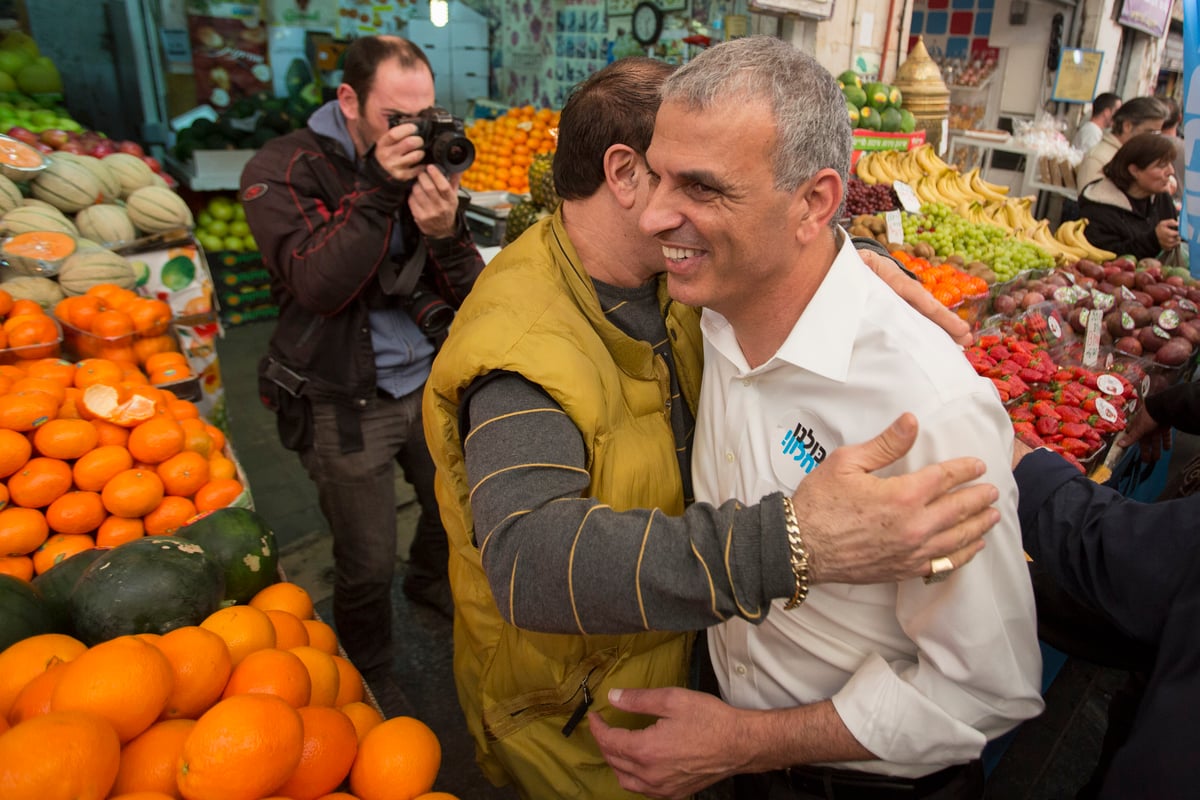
(453, 153)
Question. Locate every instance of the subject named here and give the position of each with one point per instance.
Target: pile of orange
(90, 457)
(26, 331)
(949, 285)
(505, 147)
(179, 715)
(117, 324)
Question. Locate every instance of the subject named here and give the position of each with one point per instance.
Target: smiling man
(890, 689)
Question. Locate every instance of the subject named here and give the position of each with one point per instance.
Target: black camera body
(446, 142)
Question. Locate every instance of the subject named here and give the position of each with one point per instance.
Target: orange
(323, 674)
(40, 482)
(98, 467)
(241, 749)
(244, 629)
(96, 370)
(289, 629)
(143, 796)
(150, 317)
(183, 473)
(15, 450)
(118, 530)
(170, 515)
(397, 758)
(132, 493)
(321, 635)
(110, 432)
(76, 512)
(434, 796)
(17, 566)
(59, 756)
(183, 410)
(217, 436)
(125, 680)
(6, 302)
(112, 324)
(156, 440)
(160, 377)
(148, 762)
(201, 665)
(34, 699)
(34, 384)
(330, 744)
(196, 436)
(65, 438)
(218, 493)
(350, 682)
(24, 411)
(22, 530)
(221, 468)
(28, 658)
(364, 716)
(271, 671)
(284, 596)
(29, 332)
(59, 548)
(83, 311)
(165, 359)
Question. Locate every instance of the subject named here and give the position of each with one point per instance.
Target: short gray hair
(812, 126)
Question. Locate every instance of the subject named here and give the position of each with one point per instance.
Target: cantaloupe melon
(33, 201)
(10, 195)
(43, 291)
(131, 172)
(154, 208)
(108, 181)
(18, 161)
(37, 252)
(67, 185)
(87, 268)
(106, 224)
(25, 218)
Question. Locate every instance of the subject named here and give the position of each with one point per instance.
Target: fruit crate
(243, 287)
(79, 344)
(16, 355)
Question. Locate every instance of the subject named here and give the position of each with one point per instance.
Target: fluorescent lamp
(439, 12)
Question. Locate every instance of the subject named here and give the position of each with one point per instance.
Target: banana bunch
(1070, 234)
(983, 188)
(1061, 253)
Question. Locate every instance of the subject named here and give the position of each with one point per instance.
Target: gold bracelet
(799, 555)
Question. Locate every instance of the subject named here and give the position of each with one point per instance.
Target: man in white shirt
(899, 686)
(1088, 134)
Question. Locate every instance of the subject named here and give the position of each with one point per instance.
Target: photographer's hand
(400, 152)
(434, 202)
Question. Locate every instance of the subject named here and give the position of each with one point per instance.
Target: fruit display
(542, 200)
(221, 225)
(505, 147)
(249, 123)
(869, 198)
(875, 106)
(248, 701)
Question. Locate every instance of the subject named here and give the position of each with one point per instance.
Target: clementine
(330, 744)
(245, 629)
(72, 755)
(397, 758)
(148, 761)
(271, 671)
(201, 665)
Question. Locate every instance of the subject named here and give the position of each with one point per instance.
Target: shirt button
(362, 330)
(740, 669)
(729, 456)
(362, 403)
(747, 382)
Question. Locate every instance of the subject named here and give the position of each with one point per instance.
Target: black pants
(961, 782)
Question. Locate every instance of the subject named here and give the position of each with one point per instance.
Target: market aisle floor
(1048, 759)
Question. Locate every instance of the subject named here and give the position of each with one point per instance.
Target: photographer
(354, 216)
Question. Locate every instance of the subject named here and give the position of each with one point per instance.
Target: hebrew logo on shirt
(802, 446)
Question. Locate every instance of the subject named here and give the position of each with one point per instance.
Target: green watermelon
(242, 544)
(150, 585)
(57, 583)
(23, 613)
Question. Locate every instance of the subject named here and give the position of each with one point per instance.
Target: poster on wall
(373, 17)
(1148, 16)
(229, 51)
(1078, 75)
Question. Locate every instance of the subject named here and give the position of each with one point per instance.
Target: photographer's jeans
(357, 494)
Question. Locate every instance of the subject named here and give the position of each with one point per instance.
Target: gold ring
(939, 569)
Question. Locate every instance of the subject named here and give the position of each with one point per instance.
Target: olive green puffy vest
(534, 311)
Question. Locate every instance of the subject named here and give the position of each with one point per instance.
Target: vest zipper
(580, 709)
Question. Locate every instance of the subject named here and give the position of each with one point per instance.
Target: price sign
(1091, 343)
(908, 197)
(895, 231)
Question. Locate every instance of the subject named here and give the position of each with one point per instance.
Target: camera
(446, 143)
(426, 307)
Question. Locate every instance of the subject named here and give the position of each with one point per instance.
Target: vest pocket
(569, 699)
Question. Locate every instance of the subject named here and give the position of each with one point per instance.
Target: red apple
(132, 148)
(22, 134)
(54, 137)
(43, 147)
(153, 163)
(102, 148)
(72, 147)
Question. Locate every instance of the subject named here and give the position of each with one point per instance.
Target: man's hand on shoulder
(860, 528)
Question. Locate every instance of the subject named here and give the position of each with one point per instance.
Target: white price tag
(1055, 328)
(1109, 384)
(895, 231)
(1091, 344)
(908, 197)
(1105, 410)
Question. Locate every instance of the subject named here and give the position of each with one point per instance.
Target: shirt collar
(822, 340)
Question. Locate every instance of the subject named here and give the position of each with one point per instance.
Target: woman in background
(1130, 210)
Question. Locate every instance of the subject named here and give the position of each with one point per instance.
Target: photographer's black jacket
(325, 226)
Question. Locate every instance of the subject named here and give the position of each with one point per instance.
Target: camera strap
(399, 279)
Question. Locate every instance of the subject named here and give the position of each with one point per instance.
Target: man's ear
(347, 101)
(623, 169)
(823, 199)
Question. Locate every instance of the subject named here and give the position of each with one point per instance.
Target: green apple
(221, 208)
(235, 243)
(218, 227)
(238, 227)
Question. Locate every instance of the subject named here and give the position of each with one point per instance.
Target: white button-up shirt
(922, 675)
